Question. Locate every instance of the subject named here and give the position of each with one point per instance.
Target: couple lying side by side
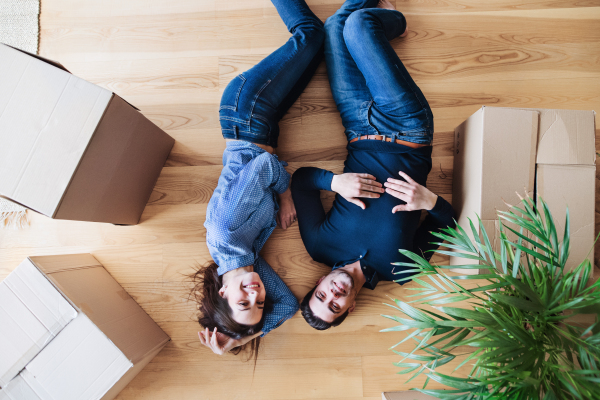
(389, 127)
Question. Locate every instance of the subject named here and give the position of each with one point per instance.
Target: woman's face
(245, 294)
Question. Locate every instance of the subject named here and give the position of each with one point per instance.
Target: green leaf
(516, 302)
(454, 382)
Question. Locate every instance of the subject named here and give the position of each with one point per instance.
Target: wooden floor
(172, 59)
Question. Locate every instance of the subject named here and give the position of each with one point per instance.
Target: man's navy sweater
(348, 233)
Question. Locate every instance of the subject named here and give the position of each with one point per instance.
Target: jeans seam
(254, 103)
(232, 119)
(416, 95)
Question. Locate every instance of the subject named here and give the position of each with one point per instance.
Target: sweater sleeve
(285, 304)
(307, 184)
(441, 216)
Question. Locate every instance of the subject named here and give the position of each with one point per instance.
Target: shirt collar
(371, 276)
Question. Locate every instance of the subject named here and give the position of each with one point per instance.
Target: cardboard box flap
(47, 118)
(573, 186)
(97, 294)
(100, 190)
(19, 390)
(46, 60)
(32, 313)
(131, 105)
(63, 369)
(466, 185)
(564, 137)
(59, 263)
(508, 157)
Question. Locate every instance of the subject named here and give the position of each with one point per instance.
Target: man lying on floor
(389, 127)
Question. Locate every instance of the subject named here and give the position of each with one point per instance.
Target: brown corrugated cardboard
(89, 287)
(564, 137)
(565, 164)
(81, 153)
(494, 157)
(125, 141)
(98, 352)
(573, 186)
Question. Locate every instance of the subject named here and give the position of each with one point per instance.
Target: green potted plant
(518, 324)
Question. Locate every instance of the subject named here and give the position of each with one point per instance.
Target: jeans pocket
(231, 95)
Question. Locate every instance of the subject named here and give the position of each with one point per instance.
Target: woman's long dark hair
(215, 312)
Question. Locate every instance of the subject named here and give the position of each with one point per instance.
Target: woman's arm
(220, 343)
(279, 178)
(284, 302)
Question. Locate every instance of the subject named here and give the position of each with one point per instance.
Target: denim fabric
(255, 101)
(372, 89)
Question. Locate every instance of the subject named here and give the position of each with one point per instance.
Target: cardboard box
(70, 149)
(494, 158)
(72, 332)
(501, 151)
(406, 395)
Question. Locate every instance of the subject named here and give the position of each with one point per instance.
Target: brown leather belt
(389, 139)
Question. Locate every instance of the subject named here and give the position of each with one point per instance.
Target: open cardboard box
(549, 154)
(70, 149)
(69, 331)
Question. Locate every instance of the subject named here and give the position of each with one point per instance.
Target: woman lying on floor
(240, 297)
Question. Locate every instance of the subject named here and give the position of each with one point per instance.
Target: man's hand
(351, 186)
(417, 197)
(287, 211)
(220, 343)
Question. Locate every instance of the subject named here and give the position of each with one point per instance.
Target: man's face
(334, 294)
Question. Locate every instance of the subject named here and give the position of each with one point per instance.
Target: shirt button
(360, 256)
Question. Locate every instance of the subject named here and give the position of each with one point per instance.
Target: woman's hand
(220, 343)
(351, 186)
(286, 215)
(416, 197)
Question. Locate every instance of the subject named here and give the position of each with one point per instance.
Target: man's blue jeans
(255, 101)
(372, 89)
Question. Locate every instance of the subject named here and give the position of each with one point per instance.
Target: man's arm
(439, 217)
(418, 197)
(307, 184)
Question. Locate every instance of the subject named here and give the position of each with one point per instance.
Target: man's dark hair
(315, 321)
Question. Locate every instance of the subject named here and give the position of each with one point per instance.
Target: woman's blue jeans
(372, 89)
(255, 101)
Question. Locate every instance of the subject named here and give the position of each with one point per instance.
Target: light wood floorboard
(172, 59)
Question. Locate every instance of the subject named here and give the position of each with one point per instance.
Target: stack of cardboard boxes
(547, 154)
(72, 150)
(69, 331)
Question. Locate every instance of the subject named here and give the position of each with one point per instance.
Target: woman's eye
(243, 303)
(260, 303)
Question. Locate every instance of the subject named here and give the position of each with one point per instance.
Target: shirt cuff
(283, 183)
(439, 206)
(234, 263)
(326, 179)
